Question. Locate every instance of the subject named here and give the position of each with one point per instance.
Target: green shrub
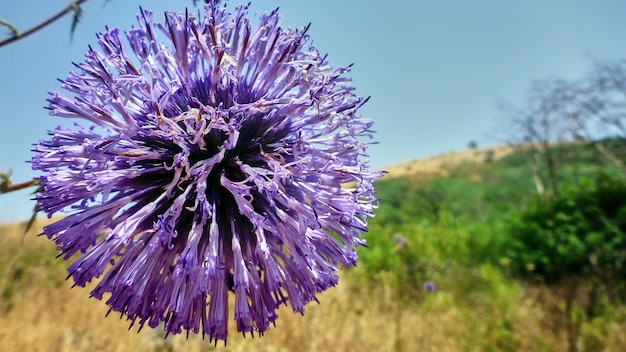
(579, 232)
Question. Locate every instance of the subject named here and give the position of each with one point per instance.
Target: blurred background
(502, 225)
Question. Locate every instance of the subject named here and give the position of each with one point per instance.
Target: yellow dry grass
(66, 320)
(46, 314)
(438, 164)
(49, 315)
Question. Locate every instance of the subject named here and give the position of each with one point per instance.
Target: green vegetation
(474, 259)
(24, 260)
(580, 232)
(487, 239)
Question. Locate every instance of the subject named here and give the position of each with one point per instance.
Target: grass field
(378, 306)
(41, 312)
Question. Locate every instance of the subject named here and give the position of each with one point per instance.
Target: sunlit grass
(471, 310)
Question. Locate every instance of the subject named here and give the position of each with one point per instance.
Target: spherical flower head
(216, 156)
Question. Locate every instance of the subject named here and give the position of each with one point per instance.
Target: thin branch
(71, 7)
(7, 186)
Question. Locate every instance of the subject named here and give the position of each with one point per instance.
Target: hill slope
(437, 165)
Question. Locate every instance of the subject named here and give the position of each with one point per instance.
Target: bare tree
(589, 111)
(538, 126)
(598, 108)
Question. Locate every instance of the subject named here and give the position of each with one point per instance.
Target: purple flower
(216, 156)
(429, 286)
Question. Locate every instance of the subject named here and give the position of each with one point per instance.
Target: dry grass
(45, 314)
(439, 164)
(64, 319)
(48, 315)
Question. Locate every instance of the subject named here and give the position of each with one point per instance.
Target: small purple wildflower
(220, 157)
(429, 286)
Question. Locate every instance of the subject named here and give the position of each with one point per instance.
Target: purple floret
(217, 157)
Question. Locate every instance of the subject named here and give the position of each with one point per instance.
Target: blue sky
(435, 69)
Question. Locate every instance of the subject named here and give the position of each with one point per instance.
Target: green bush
(579, 232)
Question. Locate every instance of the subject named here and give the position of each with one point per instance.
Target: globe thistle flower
(214, 156)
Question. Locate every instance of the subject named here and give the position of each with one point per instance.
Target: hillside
(438, 164)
